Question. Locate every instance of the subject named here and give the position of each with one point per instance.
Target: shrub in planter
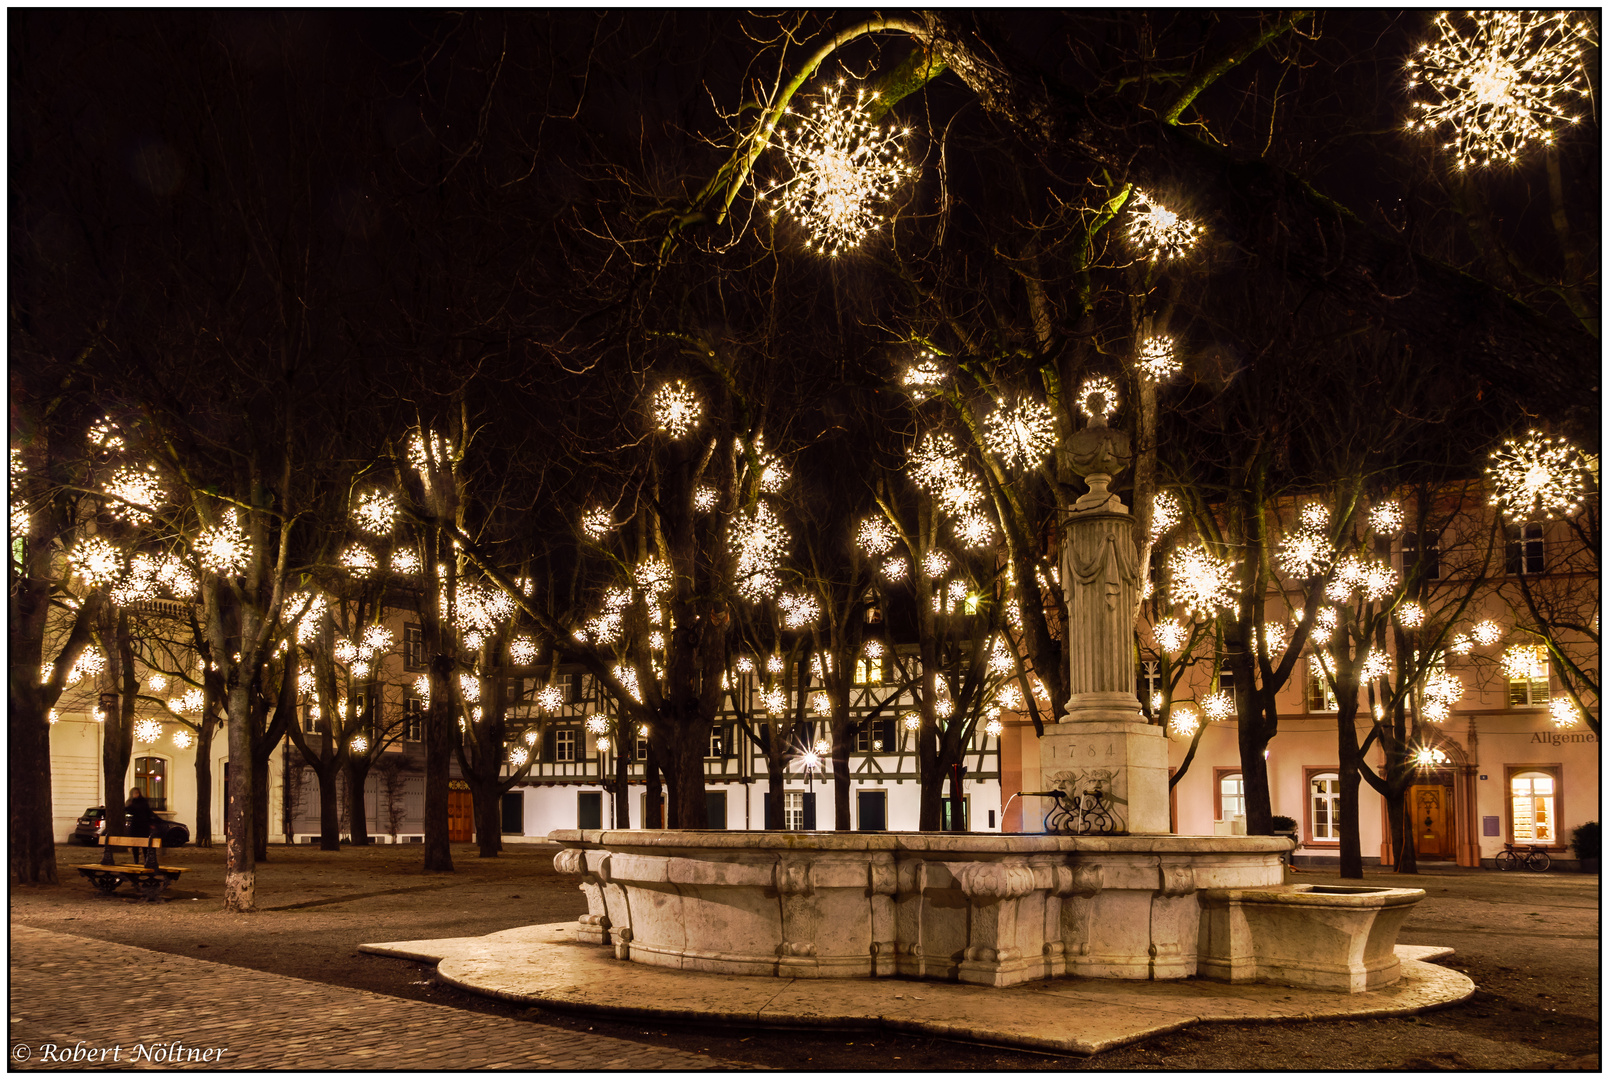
(1281, 823)
(1587, 839)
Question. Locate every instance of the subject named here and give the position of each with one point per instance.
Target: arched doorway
(1439, 806)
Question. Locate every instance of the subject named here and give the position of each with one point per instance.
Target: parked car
(92, 826)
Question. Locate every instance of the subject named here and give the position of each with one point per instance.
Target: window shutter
(550, 751)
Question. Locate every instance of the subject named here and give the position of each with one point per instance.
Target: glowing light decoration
(1156, 358)
(1427, 757)
(518, 756)
(935, 563)
(627, 678)
(377, 639)
(551, 698)
(1097, 397)
(95, 561)
(1273, 637)
(799, 609)
(103, 433)
(469, 686)
(597, 522)
(522, 650)
(773, 475)
(704, 498)
(1165, 513)
(345, 651)
(1436, 712)
(873, 648)
(1443, 686)
(405, 561)
(1199, 581)
(959, 494)
(140, 583)
(1461, 645)
(1487, 632)
(1011, 696)
(974, 531)
(360, 744)
(744, 665)
(90, 662)
(1158, 232)
(654, 577)
(677, 409)
(922, 378)
(1379, 580)
(1387, 517)
(375, 512)
(1218, 705)
(602, 743)
(439, 453)
(359, 561)
(843, 167)
(895, 569)
(183, 739)
(147, 731)
(875, 536)
(1376, 665)
(1536, 474)
(1170, 635)
(912, 721)
(1410, 615)
(1021, 434)
(774, 700)
(360, 670)
(137, 492)
(193, 701)
(157, 683)
(224, 548)
(617, 599)
(759, 542)
(1526, 663)
(935, 460)
(773, 664)
(1563, 712)
(177, 577)
(1498, 82)
(1184, 720)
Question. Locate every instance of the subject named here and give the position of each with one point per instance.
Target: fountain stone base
(990, 909)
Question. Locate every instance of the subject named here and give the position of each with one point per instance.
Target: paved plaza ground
(287, 988)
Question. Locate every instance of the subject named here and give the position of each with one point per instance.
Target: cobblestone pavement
(81, 1004)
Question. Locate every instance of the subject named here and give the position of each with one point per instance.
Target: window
(642, 742)
(413, 716)
(564, 744)
(1320, 694)
(575, 688)
(874, 736)
(310, 720)
(150, 776)
(1530, 687)
(1229, 795)
(1148, 686)
(413, 647)
(1226, 681)
(1412, 553)
(1324, 807)
(1525, 554)
(793, 810)
(870, 671)
(1533, 795)
(589, 810)
(717, 742)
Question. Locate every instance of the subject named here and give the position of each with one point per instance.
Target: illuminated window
(1532, 687)
(150, 776)
(1532, 796)
(871, 671)
(413, 647)
(1230, 796)
(1320, 695)
(717, 742)
(1324, 806)
(793, 810)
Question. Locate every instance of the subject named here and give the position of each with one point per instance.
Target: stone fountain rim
(938, 842)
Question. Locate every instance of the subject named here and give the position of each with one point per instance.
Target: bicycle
(1532, 858)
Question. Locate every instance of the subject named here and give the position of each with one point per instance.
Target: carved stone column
(1104, 741)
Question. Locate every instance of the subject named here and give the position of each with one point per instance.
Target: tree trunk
(32, 826)
(329, 807)
(438, 757)
(1254, 778)
(488, 818)
(930, 769)
(689, 807)
(203, 829)
(1350, 775)
(357, 780)
(776, 803)
(240, 873)
(1404, 852)
(842, 821)
(622, 787)
(261, 789)
(654, 815)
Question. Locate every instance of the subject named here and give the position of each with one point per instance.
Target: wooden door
(460, 816)
(1428, 815)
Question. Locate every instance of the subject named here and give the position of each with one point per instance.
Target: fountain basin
(991, 909)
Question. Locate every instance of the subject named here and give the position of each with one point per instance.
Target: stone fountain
(1130, 901)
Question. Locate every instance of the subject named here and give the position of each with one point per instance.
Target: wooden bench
(148, 878)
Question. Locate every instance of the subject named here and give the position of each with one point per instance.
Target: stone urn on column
(1104, 741)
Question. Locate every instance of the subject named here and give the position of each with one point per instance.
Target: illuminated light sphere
(1534, 475)
(1001, 661)
(522, 650)
(1461, 645)
(974, 531)
(476, 713)
(103, 433)
(1199, 581)
(773, 664)
(943, 708)
(176, 576)
(375, 512)
(1097, 397)
(1184, 720)
(183, 739)
(405, 561)
(1156, 702)
(530, 736)
(935, 563)
(96, 561)
(773, 475)
(1273, 638)
(1379, 580)
(843, 167)
(469, 686)
(518, 756)
(474, 640)
(360, 669)
(1444, 687)
(597, 724)
(677, 409)
(1563, 712)
(360, 744)
(922, 377)
(617, 599)
(90, 661)
(1218, 705)
(19, 521)
(1011, 696)
(1376, 665)
(147, 731)
(873, 648)
(993, 728)
(597, 522)
(912, 721)
(774, 700)
(1165, 513)
(345, 651)
(895, 569)
(1428, 756)
(224, 548)
(704, 498)
(1410, 614)
(1156, 358)
(439, 453)
(1387, 518)
(656, 641)
(377, 639)
(744, 665)
(960, 494)
(359, 560)
(1487, 632)
(760, 541)
(1526, 663)
(1021, 434)
(654, 577)
(1315, 516)
(822, 747)
(875, 536)
(820, 703)
(602, 743)
(157, 682)
(1437, 712)
(1158, 232)
(936, 460)
(1499, 82)
(1170, 635)
(1321, 663)
(137, 492)
(550, 698)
